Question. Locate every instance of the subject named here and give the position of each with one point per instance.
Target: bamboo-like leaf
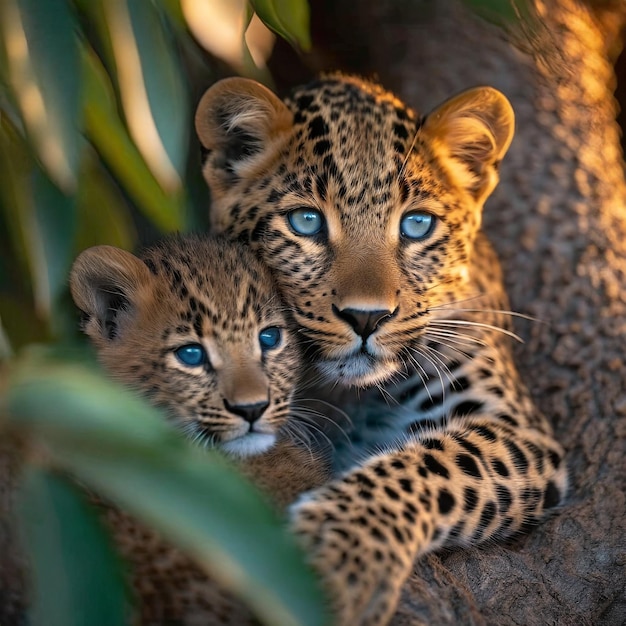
(43, 68)
(96, 191)
(52, 230)
(152, 90)
(40, 218)
(109, 136)
(114, 442)
(175, 14)
(15, 164)
(287, 18)
(75, 574)
(21, 323)
(164, 80)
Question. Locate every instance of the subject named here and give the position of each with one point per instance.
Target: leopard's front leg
(471, 481)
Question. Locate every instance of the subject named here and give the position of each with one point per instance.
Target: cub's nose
(250, 412)
(364, 323)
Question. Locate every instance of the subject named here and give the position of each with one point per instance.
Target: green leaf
(163, 80)
(51, 237)
(21, 324)
(152, 92)
(114, 226)
(75, 574)
(287, 18)
(44, 70)
(109, 136)
(120, 446)
(15, 164)
(6, 351)
(41, 221)
(500, 12)
(175, 14)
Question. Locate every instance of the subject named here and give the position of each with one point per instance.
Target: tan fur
(138, 311)
(397, 291)
(150, 315)
(472, 132)
(264, 123)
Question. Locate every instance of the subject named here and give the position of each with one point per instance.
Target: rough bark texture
(558, 221)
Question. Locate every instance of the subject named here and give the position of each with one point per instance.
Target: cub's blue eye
(417, 225)
(270, 338)
(191, 355)
(307, 222)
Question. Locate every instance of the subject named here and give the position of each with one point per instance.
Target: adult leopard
(369, 216)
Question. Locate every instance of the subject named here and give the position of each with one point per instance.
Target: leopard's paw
(356, 551)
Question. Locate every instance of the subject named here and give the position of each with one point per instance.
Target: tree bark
(558, 221)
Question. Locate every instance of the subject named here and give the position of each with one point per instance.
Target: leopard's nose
(250, 412)
(364, 323)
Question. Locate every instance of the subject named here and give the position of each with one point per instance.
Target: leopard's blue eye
(417, 225)
(191, 355)
(270, 337)
(305, 221)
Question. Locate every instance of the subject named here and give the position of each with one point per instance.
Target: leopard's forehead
(353, 123)
(213, 281)
(350, 97)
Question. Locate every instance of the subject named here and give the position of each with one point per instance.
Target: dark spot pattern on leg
(468, 465)
(445, 501)
(435, 466)
(552, 496)
(486, 517)
(470, 499)
(505, 499)
(500, 468)
(519, 458)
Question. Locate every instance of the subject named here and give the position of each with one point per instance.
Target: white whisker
(504, 331)
(310, 424)
(420, 371)
(443, 386)
(433, 356)
(448, 307)
(455, 337)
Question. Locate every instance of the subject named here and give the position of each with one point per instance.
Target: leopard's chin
(358, 370)
(250, 444)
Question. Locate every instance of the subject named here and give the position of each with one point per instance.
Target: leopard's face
(365, 213)
(197, 326)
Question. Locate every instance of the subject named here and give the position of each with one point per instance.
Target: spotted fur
(193, 291)
(138, 312)
(447, 446)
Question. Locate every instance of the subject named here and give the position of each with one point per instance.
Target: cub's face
(197, 326)
(365, 213)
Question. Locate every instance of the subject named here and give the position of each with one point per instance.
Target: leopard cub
(196, 325)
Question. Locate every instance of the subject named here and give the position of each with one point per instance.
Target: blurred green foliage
(95, 118)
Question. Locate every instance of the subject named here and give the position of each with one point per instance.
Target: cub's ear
(236, 120)
(471, 133)
(105, 284)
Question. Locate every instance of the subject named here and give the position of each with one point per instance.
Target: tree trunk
(558, 221)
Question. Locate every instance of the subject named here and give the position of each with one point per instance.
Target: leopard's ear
(238, 121)
(471, 133)
(105, 283)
